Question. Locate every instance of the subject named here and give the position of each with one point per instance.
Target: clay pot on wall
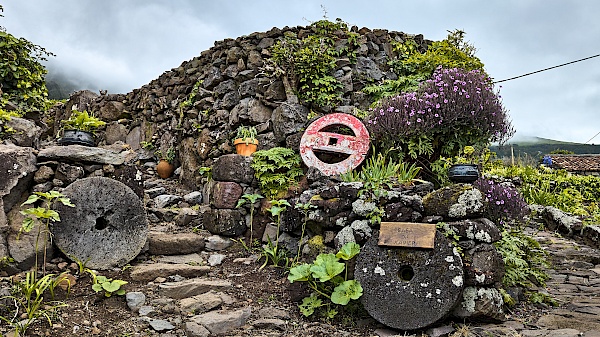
(245, 147)
(165, 169)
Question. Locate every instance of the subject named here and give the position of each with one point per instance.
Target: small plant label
(407, 234)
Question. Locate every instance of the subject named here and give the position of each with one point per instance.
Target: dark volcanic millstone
(106, 228)
(409, 288)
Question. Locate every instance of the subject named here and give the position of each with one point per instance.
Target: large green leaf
(348, 251)
(348, 290)
(326, 267)
(299, 273)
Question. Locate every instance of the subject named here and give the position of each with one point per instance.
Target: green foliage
(28, 298)
(250, 199)
(191, 99)
(168, 155)
(5, 117)
(414, 67)
(246, 134)
(524, 259)
(276, 170)
(379, 174)
(323, 276)
(305, 209)
(570, 193)
(308, 63)
(108, 286)
(42, 216)
(82, 121)
(272, 252)
(22, 73)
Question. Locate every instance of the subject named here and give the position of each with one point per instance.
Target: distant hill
(537, 147)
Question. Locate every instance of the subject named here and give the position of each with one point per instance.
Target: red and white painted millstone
(356, 147)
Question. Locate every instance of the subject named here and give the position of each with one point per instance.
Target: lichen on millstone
(458, 201)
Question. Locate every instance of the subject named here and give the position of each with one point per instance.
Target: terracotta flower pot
(245, 149)
(165, 169)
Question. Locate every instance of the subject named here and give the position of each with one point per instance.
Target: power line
(592, 138)
(539, 71)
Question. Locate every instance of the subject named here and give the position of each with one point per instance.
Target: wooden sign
(407, 234)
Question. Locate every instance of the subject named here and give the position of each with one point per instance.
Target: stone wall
(235, 89)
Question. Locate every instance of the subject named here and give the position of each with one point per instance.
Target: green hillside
(537, 147)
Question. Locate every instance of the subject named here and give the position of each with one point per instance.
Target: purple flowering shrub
(451, 110)
(505, 204)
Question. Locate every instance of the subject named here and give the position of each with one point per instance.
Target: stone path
(574, 283)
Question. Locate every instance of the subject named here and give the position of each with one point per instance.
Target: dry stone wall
(234, 88)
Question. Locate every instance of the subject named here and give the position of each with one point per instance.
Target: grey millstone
(107, 227)
(407, 288)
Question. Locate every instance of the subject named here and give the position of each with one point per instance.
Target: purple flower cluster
(505, 205)
(454, 103)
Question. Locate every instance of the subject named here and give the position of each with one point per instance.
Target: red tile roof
(576, 162)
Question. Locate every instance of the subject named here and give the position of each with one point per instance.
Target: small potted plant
(464, 170)
(165, 167)
(245, 140)
(79, 129)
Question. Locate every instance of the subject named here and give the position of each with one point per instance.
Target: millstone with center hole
(106, 228)
(409, 288)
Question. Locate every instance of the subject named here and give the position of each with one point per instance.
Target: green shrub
(276, 170)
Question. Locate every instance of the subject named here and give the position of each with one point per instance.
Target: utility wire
(592, 138)
(539, 71)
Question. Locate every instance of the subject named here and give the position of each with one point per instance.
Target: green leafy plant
(206, 172)
(22, 73)
(323, 277)
(5, 117)
(28, 297)
(246, 133)
(81, 120)
(306, 65)
(524, 259)
(108, 286)
(147, 145)
(42, 216)
(168, 155)
(276, 170)
(250, 199)
(272, 252)
(305, 209)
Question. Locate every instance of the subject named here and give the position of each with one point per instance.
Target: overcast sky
(122, 45)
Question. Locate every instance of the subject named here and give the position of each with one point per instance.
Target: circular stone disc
(409, 288)
(106, 228)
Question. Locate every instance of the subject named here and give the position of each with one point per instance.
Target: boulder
(458, 201)
(288, 119)
(17, 169)
(227, 222)
(233, 167)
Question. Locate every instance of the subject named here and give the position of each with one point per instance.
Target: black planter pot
(463, 173)
(77, 137)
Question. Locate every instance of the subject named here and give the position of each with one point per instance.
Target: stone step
(149, 272)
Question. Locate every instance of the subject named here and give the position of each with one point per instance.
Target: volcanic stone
(225, 194)
(407, 288)
(106, 228)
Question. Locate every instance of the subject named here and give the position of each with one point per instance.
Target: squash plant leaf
(326, 267)
(309, 304)
(299, 273)
(348, 251)
(348, 290)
